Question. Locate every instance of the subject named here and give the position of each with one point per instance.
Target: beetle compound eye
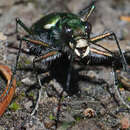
(88, 27)
(68, 31)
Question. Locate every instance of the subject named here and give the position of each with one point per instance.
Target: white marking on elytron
(82, 19)
(51, 24)
(81, 43)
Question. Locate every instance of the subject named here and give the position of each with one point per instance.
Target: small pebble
(89, 112)
(2, 37)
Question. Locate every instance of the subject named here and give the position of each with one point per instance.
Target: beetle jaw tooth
(77, 52)
(86, 52)
(71, 45)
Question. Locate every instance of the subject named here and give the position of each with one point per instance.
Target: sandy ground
(108, 111)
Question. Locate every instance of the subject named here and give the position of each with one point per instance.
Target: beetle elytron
(67, 34)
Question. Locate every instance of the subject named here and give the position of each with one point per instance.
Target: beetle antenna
(86, 12)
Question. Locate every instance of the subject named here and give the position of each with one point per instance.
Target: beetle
(68, 34)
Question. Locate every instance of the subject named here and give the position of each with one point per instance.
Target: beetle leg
(15, 67)
(109, 34)
(37, 42)
(116, 82)
(89, 9)
(16, 63)
(38, 59)
(48, 56)
(17, 58)
(100, 57)
(69, 73)
(68, 77)
(19, 22)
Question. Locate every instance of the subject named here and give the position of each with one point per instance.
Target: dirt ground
(92, 86)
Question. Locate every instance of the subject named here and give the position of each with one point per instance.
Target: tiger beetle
(68, 34)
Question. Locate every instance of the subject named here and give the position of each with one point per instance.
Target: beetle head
(78, 35)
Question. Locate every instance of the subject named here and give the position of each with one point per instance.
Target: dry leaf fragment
(8, 93)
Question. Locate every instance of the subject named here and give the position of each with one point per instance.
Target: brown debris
(2, 37)
(6, 72)
(125, 18)
(125, 123)
(49, 124)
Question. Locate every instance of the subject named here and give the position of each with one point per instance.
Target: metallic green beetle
(67, 34)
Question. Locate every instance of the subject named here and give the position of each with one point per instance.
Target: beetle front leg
(107, 35)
